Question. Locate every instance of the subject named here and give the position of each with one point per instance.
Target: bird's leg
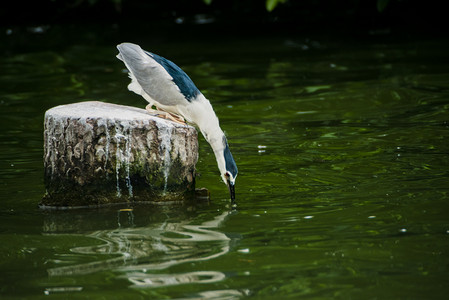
(175, 118)
(165, 115)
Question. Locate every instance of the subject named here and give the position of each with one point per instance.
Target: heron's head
(228, 169)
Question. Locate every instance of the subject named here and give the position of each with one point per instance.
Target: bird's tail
(129, 53)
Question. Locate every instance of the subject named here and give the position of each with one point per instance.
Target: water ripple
(140, 251)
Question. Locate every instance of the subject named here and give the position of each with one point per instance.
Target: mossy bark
(98, 153)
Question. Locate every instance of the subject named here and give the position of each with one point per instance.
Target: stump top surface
(103, 110)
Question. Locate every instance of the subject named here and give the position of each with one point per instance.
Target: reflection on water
(141, 279)
(139, 251)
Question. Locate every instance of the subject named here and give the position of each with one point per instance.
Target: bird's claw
(165, 115)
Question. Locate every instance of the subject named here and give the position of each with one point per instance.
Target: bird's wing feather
(179, 77)
(149, 77)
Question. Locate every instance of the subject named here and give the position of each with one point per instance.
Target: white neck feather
(201, 113)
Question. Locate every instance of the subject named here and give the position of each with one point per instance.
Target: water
(343, 185)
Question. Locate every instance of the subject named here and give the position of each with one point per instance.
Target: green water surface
(343, 155)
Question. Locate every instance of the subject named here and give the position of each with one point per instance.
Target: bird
(166, 86)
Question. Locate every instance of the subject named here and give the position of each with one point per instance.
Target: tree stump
(99, 153)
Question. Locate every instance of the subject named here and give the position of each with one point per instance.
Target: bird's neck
(217, 140)
(213, 135)
(206, 120)
(202, 114)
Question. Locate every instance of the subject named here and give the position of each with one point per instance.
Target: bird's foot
(174, 117)
(165, 115)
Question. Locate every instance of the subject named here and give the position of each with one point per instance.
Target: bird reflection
(141, 251)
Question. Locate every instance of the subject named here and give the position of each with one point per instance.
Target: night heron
(164, 85)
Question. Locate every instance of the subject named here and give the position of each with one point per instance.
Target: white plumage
(164, 85)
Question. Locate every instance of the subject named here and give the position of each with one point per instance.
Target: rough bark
(100, 153)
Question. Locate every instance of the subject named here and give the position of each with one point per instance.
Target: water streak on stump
(99, 153)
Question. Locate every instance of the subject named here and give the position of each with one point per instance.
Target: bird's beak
(231, 187)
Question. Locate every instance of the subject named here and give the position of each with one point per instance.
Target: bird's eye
(227, 175)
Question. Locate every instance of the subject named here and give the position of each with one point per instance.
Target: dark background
(428, 17)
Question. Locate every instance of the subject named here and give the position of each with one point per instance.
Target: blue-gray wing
(155, 77)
